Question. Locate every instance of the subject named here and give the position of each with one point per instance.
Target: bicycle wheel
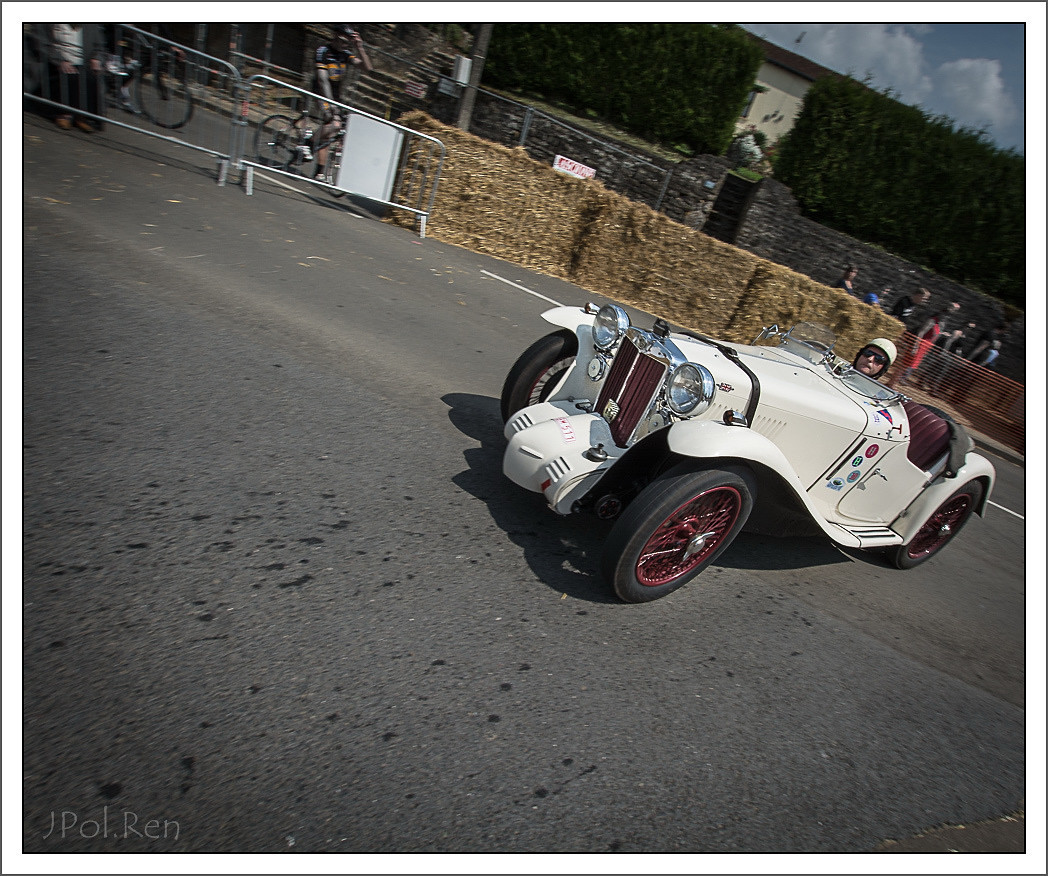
(275, 141)
(163, 92)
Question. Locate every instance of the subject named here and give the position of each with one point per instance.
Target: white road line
(522, 288)
(292, 188)
(995, 505)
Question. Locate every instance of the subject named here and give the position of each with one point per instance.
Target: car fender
(713, 439)
(573, 318)
(975, 467)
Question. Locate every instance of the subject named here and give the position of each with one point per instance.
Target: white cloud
(970, 91)
(973, 93)
(891, 54)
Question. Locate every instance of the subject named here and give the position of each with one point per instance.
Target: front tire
(537, 372)
(275, 146)
(940, 528)
(679, 524)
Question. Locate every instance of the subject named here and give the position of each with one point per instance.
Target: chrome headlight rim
(690, 389)
(609, 326)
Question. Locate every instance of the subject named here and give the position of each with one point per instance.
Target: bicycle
(160, 79)
(287, 144)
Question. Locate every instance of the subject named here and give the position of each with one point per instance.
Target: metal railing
(972, 394)
(619, 170)
(413, 160)
(139, 81)
(148, 84)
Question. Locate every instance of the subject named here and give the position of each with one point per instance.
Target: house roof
(802, 67)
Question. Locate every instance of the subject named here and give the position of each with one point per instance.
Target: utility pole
(469, 96)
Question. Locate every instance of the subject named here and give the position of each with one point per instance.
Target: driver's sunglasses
(879, 358)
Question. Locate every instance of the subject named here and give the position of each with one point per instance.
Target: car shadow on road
(564, 552)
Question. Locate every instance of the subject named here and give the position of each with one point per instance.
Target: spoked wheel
(276, 145)
(163, 91)
(676, 527)
(537, 372)
(937, 531)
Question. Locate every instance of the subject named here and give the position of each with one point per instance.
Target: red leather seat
(929, 435)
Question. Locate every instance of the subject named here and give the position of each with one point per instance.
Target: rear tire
(940, 528)
(163, 93)
(537, 372)
(679, 524)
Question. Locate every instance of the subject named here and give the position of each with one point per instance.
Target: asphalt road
(278, 597)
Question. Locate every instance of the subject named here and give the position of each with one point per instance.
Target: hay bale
(777, 295)
(640, 256)
(499, 201)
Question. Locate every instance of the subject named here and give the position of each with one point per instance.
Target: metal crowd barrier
(526, 126)
(142, 82)
(411, 161)
(972, 394)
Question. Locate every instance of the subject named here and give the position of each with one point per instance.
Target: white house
(782, 81)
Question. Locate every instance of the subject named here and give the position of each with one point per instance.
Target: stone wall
(775, 230)
(772, 229)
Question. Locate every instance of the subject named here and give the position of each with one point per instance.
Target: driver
(875, 358)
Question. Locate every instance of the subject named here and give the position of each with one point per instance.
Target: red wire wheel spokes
(940, 527)
(688, 536)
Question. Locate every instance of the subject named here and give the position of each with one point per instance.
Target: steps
(730, 208)
(408, 61)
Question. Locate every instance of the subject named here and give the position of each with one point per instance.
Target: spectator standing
(75, 69)
(942, 359)
(926, 337)
(985, 353)
(989, 341)
(951, 310)
(846, 280)
(905, 307)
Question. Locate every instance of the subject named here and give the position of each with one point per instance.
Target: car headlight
(610, 325)
(690, 389)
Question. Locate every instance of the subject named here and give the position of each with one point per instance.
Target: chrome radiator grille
(628, 390)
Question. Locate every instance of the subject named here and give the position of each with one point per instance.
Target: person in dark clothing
(845, 282)
(941, 359)
(75, 72)
(905, 307)
(991, 339)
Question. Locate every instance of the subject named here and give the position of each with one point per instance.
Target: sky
(972, 72)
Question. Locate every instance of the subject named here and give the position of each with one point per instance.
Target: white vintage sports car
(684, 440)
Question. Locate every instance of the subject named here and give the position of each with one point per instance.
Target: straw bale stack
(641, 257)
(778, 295)
(499, 201)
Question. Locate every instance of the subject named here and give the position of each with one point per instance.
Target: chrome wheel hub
(697, 543)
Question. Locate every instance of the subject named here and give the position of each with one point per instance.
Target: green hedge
(859, 161)
(676, 84)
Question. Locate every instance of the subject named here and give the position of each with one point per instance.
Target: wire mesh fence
(974, 395)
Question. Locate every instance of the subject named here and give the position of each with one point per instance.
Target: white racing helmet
(886, 347)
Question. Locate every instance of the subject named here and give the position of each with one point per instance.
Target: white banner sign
(573, 168)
